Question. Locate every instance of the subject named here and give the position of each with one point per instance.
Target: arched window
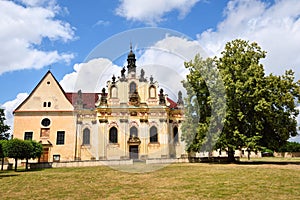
(153, 134)
(86, 136)
(152, 92)
(175, 134)
(133, 132)
(114, 92)
(113, 135)
(132, 87)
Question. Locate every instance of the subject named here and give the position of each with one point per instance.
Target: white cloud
(165, 61)
(23, 28)
(37, 2)
(101, 23)
(90, 76)
(152, 12)
(10, 106)
(275, 27)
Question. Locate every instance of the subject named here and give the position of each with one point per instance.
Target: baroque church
(131, 118)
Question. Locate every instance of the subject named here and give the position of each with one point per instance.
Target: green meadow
(175, 181)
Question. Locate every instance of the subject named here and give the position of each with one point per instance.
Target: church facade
(131, 118)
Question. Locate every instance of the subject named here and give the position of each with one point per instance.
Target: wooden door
(45, 155)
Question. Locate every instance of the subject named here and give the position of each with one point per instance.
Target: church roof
(172, 103)
(88, 99)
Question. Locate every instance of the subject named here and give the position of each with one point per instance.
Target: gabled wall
(47, 100)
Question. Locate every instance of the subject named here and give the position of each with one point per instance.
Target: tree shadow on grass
(29, 170)
(224, 160)
(268, 162)
(11, 172)
(7, 175)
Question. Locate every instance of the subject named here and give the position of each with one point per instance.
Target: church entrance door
(134, 152)
(44, 157)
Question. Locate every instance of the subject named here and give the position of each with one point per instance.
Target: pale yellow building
(131, 118)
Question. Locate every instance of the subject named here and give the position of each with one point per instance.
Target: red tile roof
(88, 99)
(172, 103)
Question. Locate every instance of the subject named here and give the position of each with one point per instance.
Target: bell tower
(131, 61)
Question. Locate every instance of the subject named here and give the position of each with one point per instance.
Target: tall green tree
(204, 105)
(290, 147)
(4, 135)
(243, 77)
(36, 151)
(280, 111)
(2, 152)
(18, 149)
(260, 110)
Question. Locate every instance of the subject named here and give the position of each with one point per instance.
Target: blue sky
(40, 34)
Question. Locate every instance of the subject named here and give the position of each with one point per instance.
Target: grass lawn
(176, 181)
(272, 159)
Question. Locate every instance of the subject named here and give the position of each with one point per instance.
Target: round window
(46, 122)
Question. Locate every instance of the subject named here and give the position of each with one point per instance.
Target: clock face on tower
(45, 122)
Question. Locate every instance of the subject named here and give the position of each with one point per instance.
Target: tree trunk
(2, 163)
(231, 155)
(26, 166)
(16, 164)
(249, 154)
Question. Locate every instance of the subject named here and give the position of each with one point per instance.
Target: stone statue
(123, 72)
(162, 100)
(142, 76)
(180, 100)
(134, 98)
(151, 80)
(79, 101)
(122, 78)
(103, 100)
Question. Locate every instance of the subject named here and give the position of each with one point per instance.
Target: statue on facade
(162, 100)
(103, 100)
(79, 101)
(134, 98)
(142, 76)
(180, 100)
(122, 78)
(123, 72)
(113, 79)
(151, 80)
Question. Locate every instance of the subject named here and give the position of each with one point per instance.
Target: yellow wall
(31, 112)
